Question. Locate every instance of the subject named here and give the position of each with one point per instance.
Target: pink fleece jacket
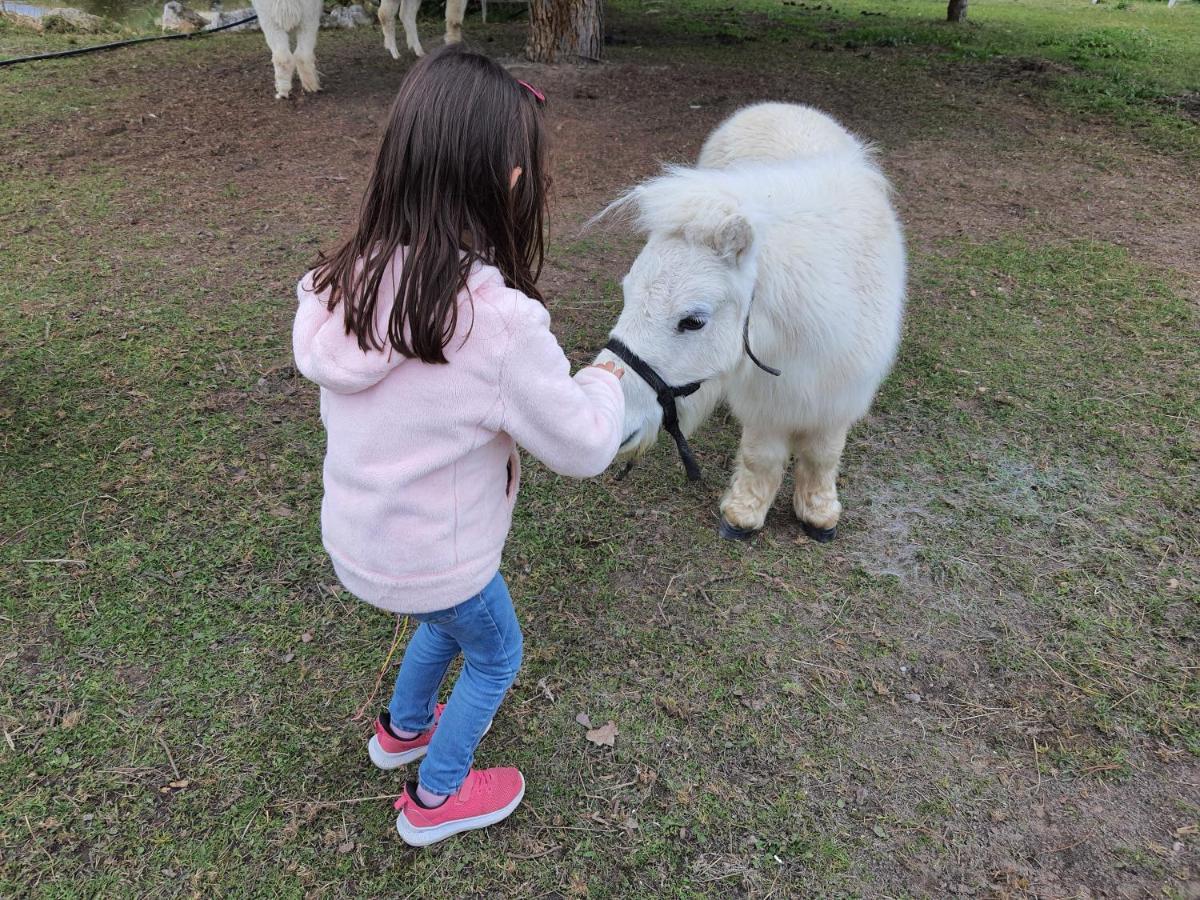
(421, 468)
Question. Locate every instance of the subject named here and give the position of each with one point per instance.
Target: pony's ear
(724, 230)
(690, 202)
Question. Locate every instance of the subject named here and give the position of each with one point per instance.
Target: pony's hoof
(820, 535)
(733, 533)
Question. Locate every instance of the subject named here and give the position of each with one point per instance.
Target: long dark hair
(441, 188)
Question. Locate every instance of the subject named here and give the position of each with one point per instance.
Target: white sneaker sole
(388, 761)
(423, 837)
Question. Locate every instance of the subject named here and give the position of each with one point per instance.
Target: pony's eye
(691, 323)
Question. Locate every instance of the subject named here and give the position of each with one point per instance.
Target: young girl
(432, 347)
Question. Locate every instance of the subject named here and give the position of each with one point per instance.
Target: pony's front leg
(454, 18)
(757, 474)
(818, 455)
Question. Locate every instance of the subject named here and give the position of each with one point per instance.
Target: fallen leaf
(605, 735)
(71, 719)
(287, 657)
(306, 637)
(545, 689)
(584, 720)
(879, 832)
(345, 846)
(283, 512)
(181, 783)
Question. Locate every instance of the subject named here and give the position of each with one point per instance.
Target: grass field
(987, 686)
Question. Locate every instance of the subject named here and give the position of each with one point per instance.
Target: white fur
(788, 207)
(408, 15)
(281, 18)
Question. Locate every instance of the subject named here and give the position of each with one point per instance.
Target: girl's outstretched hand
(609, 366)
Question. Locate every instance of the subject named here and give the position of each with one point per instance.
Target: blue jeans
(485, 630)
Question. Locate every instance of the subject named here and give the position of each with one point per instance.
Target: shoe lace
(477, 780)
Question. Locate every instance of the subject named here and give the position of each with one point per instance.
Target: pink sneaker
(487, 796)
(390, 752)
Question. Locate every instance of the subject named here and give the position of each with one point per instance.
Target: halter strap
(666, 395)
(770, 370)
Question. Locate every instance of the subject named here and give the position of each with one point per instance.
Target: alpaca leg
(408, 14)
(387, 21)
(816, 499)
(454, 19)
(757, 474)
(306, 52)
(281, 57)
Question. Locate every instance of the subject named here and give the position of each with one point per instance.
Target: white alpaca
(279, 18)
(408, 14)
(788, 209)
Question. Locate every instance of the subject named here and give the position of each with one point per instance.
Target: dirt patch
(1186, 104)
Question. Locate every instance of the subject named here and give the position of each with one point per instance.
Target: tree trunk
(956, 11)
(565, 30)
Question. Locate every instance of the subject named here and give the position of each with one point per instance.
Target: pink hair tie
(538, 95)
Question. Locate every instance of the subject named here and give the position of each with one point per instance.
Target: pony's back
(775, 132)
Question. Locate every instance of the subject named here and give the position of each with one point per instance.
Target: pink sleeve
(573, 425)
(311, 315)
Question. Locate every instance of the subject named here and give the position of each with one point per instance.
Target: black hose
(96, 48)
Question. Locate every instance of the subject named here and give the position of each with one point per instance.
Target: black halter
(667, 394)
(666, 399)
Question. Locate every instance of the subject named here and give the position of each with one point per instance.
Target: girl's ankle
(399, 734)
(428, 798)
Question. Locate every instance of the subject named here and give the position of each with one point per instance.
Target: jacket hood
(326, 354)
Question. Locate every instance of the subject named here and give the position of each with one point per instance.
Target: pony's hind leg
(758, 472)
(818, 455)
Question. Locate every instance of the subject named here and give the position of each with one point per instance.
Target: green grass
(1137, 63)
(180, 626)
(180, 671)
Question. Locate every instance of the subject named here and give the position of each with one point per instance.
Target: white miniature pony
(773, 280)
